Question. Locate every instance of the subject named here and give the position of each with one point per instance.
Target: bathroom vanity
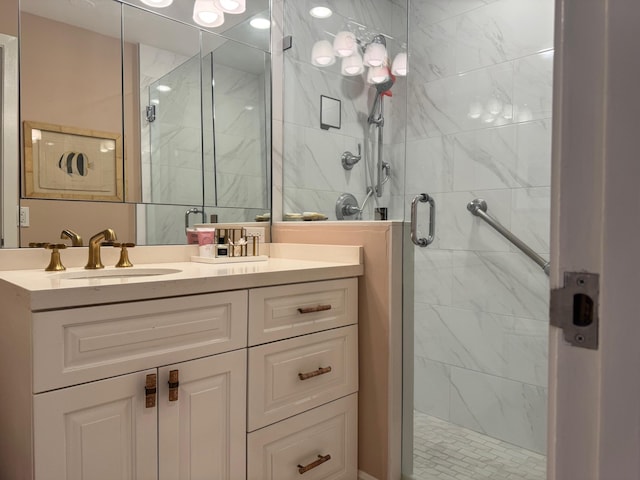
(213, 371)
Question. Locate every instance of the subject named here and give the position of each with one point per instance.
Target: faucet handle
(38, 244)
(55, 264)
(124, 254)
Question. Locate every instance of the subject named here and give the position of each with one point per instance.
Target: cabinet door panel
(203, 431)
(96, 431)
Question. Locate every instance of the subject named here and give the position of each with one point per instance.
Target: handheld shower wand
(376, 117)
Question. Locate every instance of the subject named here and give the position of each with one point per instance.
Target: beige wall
(9, 17)
(73, 77)
(49, 217)
(380, 324)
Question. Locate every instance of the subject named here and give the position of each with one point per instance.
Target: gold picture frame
(72, 163)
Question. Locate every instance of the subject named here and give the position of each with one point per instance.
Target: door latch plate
(574, 309)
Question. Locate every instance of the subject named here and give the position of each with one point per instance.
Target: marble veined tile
(486, 159)
(476, 100)
(534, 153)
(431, 388)
(304, 86)
(430, 165)
(533, 86)
(432, 11)
(458, 229)
(433, 276)
(504, 409)
(495, 34)
(432, 49)
(531, 217)
(242, 191)
(313, 161)
(500, 345)
(502, 283)
(232, 82)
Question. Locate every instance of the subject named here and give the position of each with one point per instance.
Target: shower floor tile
(443, 451)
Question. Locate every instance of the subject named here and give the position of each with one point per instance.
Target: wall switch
(255, 232)
(24, 216)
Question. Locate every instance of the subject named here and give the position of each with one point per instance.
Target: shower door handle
(423, 198)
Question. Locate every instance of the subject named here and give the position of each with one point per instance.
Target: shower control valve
(349, 159)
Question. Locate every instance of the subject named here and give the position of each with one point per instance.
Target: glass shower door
(476, 308)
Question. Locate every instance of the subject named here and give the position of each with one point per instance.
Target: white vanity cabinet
(182, 379)
(303, 381)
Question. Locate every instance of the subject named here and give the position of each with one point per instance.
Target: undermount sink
(119, 273)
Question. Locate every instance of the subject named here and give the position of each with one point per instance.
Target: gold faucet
(94, 262)
(76, 240)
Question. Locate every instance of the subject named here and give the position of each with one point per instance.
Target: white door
(96, 431)
(594, 407)
(202, 425)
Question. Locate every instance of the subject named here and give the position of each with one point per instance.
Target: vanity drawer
(287, 311)
(84, 344)
(291, 376)
(324, 440)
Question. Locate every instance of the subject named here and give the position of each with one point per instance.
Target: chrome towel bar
(478, 207)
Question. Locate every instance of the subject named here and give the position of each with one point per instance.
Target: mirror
(190, 108)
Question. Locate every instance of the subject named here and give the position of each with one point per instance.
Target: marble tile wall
(313, 176)
(479, 125)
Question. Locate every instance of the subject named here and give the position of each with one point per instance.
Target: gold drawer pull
(174, 384)
(150, 391)
(321, 459)
(315, 373)
(319, 308)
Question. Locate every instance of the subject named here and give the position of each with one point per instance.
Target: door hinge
(574, 309)
(151, 113)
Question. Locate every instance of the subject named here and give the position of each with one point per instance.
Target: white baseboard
(365, 476)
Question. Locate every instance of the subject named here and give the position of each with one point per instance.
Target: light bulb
(377, 75)
(157, 3)
(320, 12)
(475, 110)
(344, 45)
(260, 23)
(494, 106)
(207, 14)
(352, 65)
(399, 65)
(322, 54)
(375, 54)
(232, 6)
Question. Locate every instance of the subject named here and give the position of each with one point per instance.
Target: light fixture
(260, 23)
(157, 3)
(377, 74)
(320, 12)
(232, 6)
(399, 65)
(358, 50)
(322, 54)
(207, 14)
(163, 88)
(352, 65)
(344, 45)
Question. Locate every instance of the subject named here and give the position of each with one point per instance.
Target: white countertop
(40, 290)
